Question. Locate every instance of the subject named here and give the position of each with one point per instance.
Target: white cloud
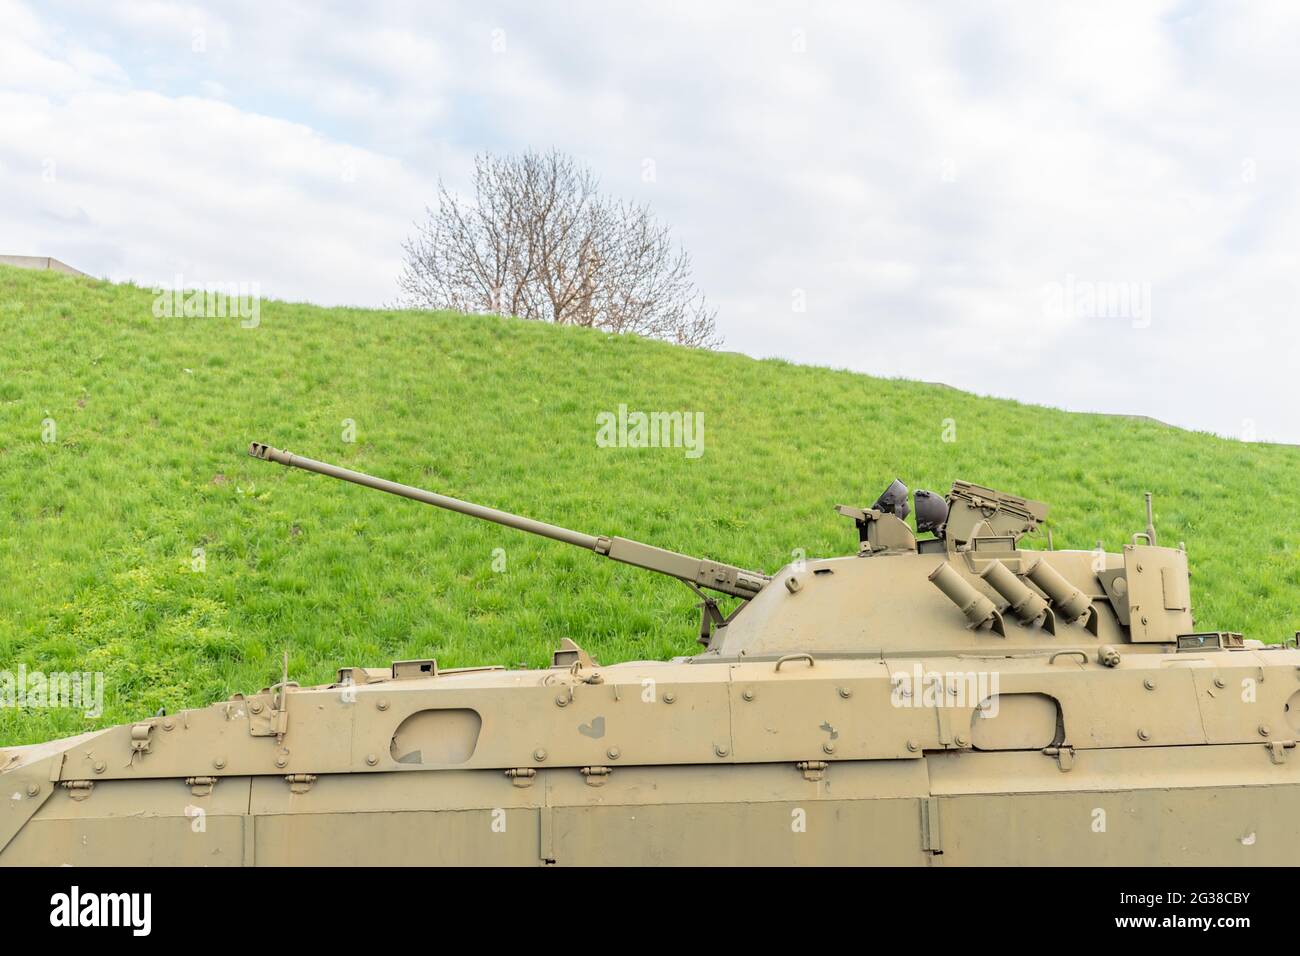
(146, 187)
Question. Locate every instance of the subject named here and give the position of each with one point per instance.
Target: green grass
(154, 415)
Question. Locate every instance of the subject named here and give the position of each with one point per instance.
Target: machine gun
(696, 572)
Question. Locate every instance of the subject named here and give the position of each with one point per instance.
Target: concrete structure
(40, 262)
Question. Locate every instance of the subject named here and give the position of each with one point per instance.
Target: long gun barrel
(713, 575)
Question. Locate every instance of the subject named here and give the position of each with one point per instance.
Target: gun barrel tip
(257, 449)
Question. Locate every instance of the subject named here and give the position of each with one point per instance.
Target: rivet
(167, 724)
(281, 761)
(1220, 683)
(828, 747)
(1143, 735)
(613, 753)
(255, 707)
(913, 746)
(562, 701)
(1144, 619)
(100, 766)
(372, 759)
(539, 754)
(720, 750)
(382, 704)
(33, 789)
(219, 763)
(961, 741)
(1263, 730)
(669, 697)
(748, 694)
(1149, 684)
(1139, 567)
(845, 693)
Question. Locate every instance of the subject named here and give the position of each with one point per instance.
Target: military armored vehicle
(947, 696)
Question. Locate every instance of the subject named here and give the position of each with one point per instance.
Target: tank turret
(888, 599)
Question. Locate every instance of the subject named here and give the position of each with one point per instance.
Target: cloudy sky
(1093, 206)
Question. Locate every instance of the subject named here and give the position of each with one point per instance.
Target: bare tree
(539, 241)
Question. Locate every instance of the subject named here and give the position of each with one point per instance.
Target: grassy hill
(153, 417)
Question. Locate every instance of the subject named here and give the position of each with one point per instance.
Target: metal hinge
(1064, 757)
(522, 776)
(263, 719)
(1277, 750)
(931, 831)
(812, 769)
(78, 789)
(300, 782)
(140, 738)
(200, 786)
(268, 716)
(596, 775)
